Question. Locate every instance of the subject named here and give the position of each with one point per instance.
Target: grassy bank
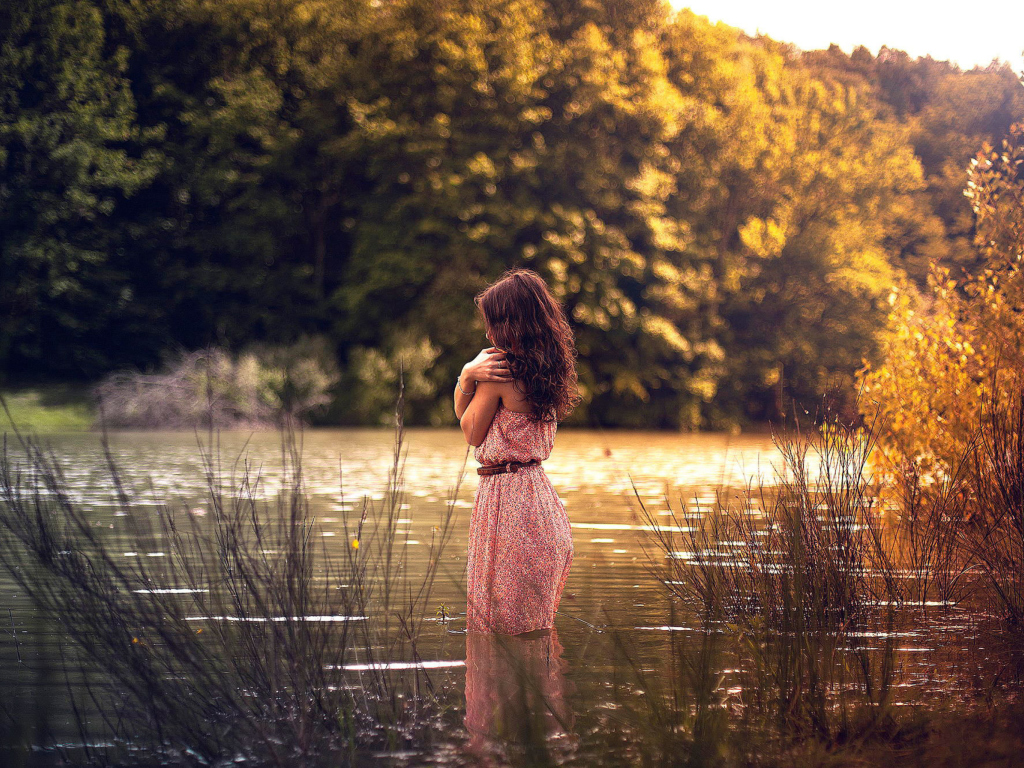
(48, 408)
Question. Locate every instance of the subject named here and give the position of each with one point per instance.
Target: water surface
(602, 477)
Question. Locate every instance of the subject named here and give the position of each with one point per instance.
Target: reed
(792, 570)
(249, 639)
(993, 536)
(800, 547)
(957, 536)
(925, 539)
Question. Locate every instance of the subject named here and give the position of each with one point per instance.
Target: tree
(953, 351)
(67, 134)
(793, 187)
(806, 317)
(950, 114)
(241, 235)
(503, 136)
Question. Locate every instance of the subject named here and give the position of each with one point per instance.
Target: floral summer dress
(520, 543)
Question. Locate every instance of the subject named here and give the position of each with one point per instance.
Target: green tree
(794, 188)
(445, 109)
(950, 113)
(808, 314)
(632, 286)
(722, 216)
(503, 136)
(68, 137)
(242, 232)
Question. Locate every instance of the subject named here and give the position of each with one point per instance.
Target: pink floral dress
(520, 543)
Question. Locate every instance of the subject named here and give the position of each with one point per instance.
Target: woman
(509, 400)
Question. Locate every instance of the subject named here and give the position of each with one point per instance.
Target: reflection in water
(516, 690)
(516, 695)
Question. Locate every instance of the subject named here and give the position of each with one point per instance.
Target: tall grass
(277, 649)
(994, 535)
(794, 570)
(799, 548)
(249, 638)
(926, 535)
(957, 536)
(812, 573)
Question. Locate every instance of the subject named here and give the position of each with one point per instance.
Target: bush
(373, 375)
(261, 387)
(960, 345)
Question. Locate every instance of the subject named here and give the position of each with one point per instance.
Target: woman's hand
(489, 365)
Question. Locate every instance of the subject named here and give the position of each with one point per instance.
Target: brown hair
(526, 321)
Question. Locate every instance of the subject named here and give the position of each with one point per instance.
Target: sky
(966, 32)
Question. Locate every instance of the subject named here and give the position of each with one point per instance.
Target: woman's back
(520, 542)
(516, 436)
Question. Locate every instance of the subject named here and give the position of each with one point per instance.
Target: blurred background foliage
(724, 217)
(952, 363)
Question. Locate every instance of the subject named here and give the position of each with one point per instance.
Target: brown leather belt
(508, 466)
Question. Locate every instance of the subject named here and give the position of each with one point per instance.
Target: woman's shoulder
(508, 393)
(503, 389)
(513, 397)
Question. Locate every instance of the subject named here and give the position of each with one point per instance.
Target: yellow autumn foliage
(952, 351)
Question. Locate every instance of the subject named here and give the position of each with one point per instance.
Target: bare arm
(464, 391)
(488, 366)
(477, 418)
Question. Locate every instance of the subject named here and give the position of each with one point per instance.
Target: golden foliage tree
(957, 348)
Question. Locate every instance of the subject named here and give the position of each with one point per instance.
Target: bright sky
(967, 32)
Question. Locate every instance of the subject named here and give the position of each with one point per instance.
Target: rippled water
(610, 589)
(593, 472)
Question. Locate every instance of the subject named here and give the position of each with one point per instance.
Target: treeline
(723, 216)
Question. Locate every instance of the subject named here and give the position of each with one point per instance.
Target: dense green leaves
(723, 217)
(69, 153)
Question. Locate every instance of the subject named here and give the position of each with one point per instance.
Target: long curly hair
(526, 321)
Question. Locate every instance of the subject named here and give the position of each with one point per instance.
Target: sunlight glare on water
(602, 477)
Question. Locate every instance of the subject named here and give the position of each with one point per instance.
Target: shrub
(944, 350)
(373, 373)
(261, 387)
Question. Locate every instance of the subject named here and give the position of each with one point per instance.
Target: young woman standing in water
(509, 400)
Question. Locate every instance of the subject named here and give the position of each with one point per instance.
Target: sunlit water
(602, 478)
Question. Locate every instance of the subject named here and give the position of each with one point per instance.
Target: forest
(730, 222)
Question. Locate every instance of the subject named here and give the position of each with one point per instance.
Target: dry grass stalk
(793, 570)
(240, 640)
